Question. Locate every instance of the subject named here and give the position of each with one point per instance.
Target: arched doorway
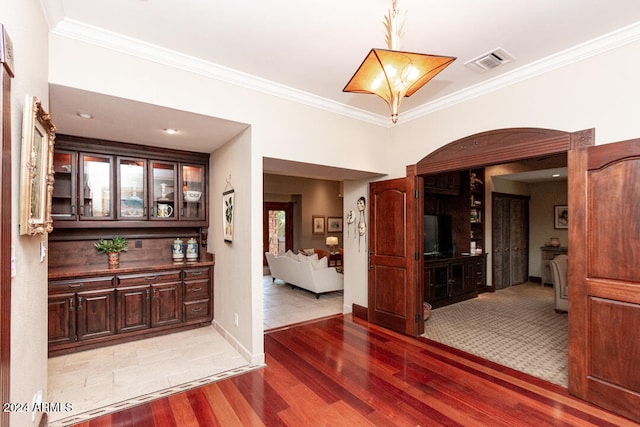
(397, 305)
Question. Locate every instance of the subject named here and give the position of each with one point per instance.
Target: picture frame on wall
(228, 206)
(36, 169)
(561, 216)
(318, 224)
(334, 224)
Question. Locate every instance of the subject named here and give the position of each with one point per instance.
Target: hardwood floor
(342, 371)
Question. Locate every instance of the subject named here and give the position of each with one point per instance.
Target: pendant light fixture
(391, 73)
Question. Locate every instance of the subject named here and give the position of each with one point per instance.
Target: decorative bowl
(192, 195)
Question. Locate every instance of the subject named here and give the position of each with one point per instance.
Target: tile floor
(106, 376)
(284, 305)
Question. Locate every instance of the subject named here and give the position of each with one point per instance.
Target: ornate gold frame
(36, 169)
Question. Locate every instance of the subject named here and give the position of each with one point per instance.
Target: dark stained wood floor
(342, 371)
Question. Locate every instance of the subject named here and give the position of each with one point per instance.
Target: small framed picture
(561, 216)
(318, 224)
(334, 224)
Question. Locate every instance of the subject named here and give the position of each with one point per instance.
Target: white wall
(237, 284)
(599, 92)
(26, 27)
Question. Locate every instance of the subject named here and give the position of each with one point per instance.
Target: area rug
(516, 327)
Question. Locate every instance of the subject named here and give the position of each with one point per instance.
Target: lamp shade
(332, 241)
(393, 74)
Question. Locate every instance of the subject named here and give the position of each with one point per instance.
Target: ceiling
(308, 51)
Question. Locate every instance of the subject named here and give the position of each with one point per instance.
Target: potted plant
(112, 248)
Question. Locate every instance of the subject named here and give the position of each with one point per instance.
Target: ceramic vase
(113, 258)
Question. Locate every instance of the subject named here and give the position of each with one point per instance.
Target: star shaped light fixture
(391, 73)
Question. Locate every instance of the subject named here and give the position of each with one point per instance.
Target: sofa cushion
(291, 255)
(303, 257)
(319, 264)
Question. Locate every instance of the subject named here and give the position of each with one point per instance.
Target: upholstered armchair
(560, 283)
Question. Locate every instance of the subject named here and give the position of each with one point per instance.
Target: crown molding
(130, 46)
(569, 56)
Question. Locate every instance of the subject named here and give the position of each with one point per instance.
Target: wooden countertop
(125, 267)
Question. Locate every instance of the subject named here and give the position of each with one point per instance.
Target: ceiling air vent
(490, 60)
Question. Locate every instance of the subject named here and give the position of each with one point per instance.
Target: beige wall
(25, 25)
(316, 197)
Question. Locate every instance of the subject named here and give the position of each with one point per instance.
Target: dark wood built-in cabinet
(458, 272)
(149, 195)
(133, 186)
(91, 311)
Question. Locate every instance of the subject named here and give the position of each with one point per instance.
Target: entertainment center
(454, 258)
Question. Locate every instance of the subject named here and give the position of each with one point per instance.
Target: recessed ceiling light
(85, 116)
(556, 175)
(171, 131)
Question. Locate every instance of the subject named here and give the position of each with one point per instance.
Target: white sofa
(309, 273)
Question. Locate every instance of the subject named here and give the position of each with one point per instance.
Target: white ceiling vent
(490, 60)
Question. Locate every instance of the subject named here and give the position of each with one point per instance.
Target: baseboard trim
(360, 312)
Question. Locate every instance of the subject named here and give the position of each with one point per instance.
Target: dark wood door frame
(6, 73)
(287, 207)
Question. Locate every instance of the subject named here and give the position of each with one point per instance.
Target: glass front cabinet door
(162, 188)
(95, 186)
(132, 193)
(193, 181)
(64, 198)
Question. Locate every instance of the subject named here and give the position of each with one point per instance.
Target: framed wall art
(318, 224)
(561, 216)
(36, 169)
(228, 205)
(334, 224)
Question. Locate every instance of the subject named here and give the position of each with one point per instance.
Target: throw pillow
(319, 264)
(291, 255)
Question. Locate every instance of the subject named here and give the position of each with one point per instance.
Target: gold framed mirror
(36, 169)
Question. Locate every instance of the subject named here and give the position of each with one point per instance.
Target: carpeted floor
(516, 327)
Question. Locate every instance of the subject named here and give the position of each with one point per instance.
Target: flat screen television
(437, 236)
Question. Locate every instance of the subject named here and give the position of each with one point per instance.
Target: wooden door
(395, 288)
(604, 276)
(500, 239)
(166, 306)
(510, 235)
(519, 239)
(133, 308)
(96, 314)
(61, 323)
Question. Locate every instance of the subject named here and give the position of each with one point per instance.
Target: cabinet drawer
(148, 278)
(196, 310)
(196, 290)
(196, 273)
(81, 284)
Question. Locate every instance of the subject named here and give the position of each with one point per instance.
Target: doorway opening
(277, 228)
(496, 148)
